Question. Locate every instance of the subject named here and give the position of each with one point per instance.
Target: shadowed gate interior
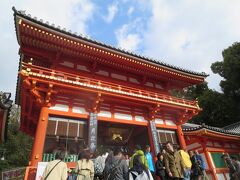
(126, 136)
(71, 135)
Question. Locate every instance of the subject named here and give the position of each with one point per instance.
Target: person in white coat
(56, 169)
(139, 170)
(85, 167)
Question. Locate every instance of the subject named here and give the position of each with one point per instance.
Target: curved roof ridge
(212, 128)
(231, 126)
(87, 38)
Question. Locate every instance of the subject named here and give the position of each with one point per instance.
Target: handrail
(68, 158)
(103, 85)
(30, 173)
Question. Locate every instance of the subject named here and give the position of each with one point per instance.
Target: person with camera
(202, 165)
(198, 166)
(230, 165)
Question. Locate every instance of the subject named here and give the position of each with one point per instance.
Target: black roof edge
(63, 30)
(18, 89)
(216, 129)
(231, 125)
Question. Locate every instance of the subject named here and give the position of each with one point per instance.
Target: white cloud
(70, 14)
(130, 10)
(112, 11)
(83, 12)
(57, 12)
(126, 39)
(192, 34)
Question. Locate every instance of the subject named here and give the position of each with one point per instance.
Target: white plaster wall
(217, 144)
(170, 123)
(209, 175)
(60, 107)
(122, 116)
(133, 80)
(140, 118)
(159, 121)
(105, 114)
(158, 86)
(103, 73)
(79, 110)
(119, 76)
(67, 64)
(209, 144)
(220, 176)
(227, 174)
(149, 84)
(81, 67)
(194, 145)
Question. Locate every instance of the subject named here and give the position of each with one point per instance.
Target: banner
(92, 134)
(155, 137)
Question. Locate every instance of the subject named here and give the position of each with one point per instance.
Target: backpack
(98, 167)
(133, 175)
(109, 172)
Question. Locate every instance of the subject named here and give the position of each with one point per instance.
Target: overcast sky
(187, 33)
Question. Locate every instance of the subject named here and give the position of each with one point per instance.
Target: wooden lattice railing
(99, 85)
(51, 156)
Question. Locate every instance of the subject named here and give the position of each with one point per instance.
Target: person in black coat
(160, 168)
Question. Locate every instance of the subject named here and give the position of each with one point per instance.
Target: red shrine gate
(75, 91)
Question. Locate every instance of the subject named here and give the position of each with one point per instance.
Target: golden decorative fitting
(36, 156)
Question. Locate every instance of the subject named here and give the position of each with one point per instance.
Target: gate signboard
(155, 137)
(92, 135)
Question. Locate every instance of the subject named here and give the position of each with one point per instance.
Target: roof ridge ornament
(23, 12)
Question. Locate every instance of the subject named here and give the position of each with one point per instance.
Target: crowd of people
(115, 165)
(180, 164)
(233, 165)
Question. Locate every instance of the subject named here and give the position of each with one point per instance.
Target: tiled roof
(233, 127)
(85, 38)
(229, 131)
(189, 125)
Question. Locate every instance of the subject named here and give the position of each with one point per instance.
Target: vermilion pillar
(181, 137)
(39, 139)
(210, 162)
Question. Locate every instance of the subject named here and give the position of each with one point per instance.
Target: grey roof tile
(86, 38)
(233, 129)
